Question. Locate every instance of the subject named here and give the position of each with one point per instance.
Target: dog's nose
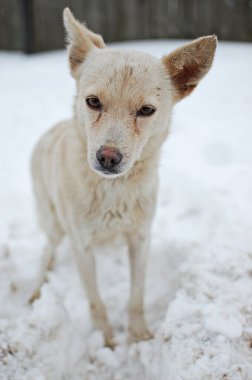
(108, 157)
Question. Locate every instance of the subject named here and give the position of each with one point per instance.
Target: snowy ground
(199, 283)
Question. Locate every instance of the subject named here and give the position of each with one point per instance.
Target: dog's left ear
(189, 64)
(80, 39)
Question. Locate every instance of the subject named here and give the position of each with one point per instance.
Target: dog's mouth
(108, 173)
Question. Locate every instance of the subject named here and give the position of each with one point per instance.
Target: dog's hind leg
(138, 247)
(47, 265)
(54, 233)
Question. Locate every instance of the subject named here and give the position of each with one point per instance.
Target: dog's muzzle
(109, 159)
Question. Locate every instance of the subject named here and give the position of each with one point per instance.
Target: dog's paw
(109, 337)
(110, 342)
(138, 336)
(36, 295)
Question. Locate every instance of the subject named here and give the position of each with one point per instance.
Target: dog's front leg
(86, 266)
(138, 246)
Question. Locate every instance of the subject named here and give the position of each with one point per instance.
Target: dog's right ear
(80, 39)
(189, 64)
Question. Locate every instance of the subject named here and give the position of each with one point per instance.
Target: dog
(95, 176)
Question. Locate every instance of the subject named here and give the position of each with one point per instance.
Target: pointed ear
(189, 64)
(80, 41)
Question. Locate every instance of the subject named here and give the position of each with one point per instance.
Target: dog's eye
(146, 111)
(93, 102)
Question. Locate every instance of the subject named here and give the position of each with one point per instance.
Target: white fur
(91, 207)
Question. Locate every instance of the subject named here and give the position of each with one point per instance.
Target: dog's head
(124, 98)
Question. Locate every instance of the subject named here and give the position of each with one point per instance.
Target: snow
(199, 280)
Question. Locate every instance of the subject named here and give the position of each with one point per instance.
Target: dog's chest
(113, 207)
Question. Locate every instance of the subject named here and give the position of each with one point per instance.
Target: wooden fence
(36, 25)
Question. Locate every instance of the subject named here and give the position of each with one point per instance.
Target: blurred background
(36, 25)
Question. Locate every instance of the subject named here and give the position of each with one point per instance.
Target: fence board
(36, 25)
(11, 25)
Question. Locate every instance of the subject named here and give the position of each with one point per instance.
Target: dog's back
(44, 169)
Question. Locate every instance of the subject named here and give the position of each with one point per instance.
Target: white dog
(95, 176)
